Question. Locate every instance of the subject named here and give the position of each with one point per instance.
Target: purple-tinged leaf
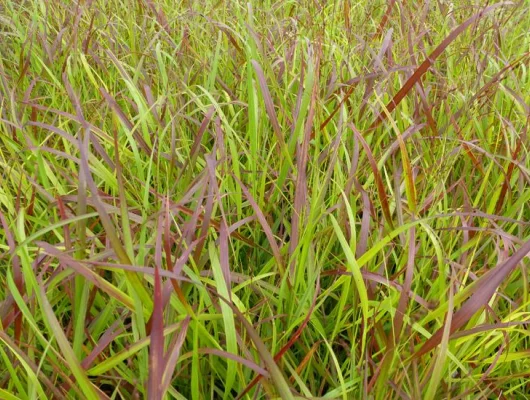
(173, 353)
(247, 363)
(425, 65)
(483, 290)
(265, 225)
(269, 105)
(105, 340)
(156, 347)
(129, 125)
(378, 179)
(17, 277)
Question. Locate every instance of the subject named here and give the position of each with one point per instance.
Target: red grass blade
(275, 373)
(173, 353)
(116, 108)
(385, 18)
(378, 179)
(87, 273)
(404, 297)
(265, 225)
(484, 288)
(106, 339)
(156, 353)
(198, 138)
(247, 363)
(288, 345)
(508, 174)
(269, 105)
(17, 277)
(425, 65)
(301, 190)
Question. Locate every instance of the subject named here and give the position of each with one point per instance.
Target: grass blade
(429, 61)
(484, 289)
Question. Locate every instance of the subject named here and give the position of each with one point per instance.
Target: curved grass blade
(275, 373)
(378, 179)
(57, 331)
(484, 289)
(429, 61)
(357, 276)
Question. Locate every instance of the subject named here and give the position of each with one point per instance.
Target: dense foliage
(264, 199)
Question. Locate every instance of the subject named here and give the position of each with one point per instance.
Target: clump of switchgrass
(264, 199)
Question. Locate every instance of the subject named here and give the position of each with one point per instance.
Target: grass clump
(227, 199)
